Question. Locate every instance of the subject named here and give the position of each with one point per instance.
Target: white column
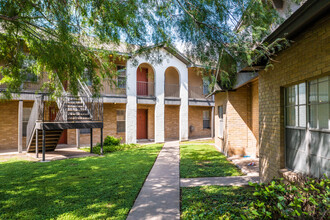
(20, 125)
(212, 123)
(184, 130)
(160, 104)
(78, 138)
(131, 107)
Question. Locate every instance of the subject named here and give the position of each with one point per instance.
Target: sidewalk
(159, 197)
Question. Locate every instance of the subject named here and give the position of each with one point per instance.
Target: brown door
(64, 137)
(52, 117)
(142, 81)
(142, 124)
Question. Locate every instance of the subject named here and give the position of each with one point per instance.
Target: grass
(205, 141)
(205, 161)
(215, 202)
(81, 188)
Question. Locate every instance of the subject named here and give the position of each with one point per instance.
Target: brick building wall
(307, 58)
(240, 119)
(172, 122)
(195, 115)
(9, 125)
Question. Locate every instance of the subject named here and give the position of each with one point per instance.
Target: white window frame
(120, 120)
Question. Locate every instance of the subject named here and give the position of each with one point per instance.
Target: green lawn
(205, 161)
(215, 202)
(206, 141)
(90, 188)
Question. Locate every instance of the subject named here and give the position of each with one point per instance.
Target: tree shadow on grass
(205, 161)
(214, 202)
(91, 187)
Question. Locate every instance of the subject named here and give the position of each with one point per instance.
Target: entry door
(142, 124)
(52, 117)
(142, 81)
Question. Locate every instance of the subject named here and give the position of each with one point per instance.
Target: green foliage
(204, 161)
(280, 200)
(64, 38)
(112, 148)
(81, 188)
(111, 141)
(215, 202)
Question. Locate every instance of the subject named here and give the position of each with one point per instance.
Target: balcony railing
(112, 90)
(196, 92)
(145, 88)
(172, 90)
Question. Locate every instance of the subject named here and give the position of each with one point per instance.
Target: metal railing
(37, 114)
(112, 90)
(145, 88)
(93, 106)
(196, 92)
(172, 90)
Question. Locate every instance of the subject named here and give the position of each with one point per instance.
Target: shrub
(279, 199)
(111, 141)
(112, 148)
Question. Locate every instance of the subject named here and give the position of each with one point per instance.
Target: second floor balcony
(172, 90)
(198, 92)
(145, 89)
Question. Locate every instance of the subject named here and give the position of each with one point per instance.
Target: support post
(37, 143)
(101, 141)
(43, 145)
(78, 138)
(91, 140)
(20, 126)
(212, 123)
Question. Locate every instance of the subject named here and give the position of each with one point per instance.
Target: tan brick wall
(151, 119)
(110, 127)
(195, 118)
(255, 116)
(9, 125)
(240, 121)
(172, 122)
(307, 58)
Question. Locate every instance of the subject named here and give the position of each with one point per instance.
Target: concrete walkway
(159, 197)
(218, 181)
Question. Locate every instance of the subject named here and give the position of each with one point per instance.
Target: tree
(64, 38)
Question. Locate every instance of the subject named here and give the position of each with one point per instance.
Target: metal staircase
(74, 112)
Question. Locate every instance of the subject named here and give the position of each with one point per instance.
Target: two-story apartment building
(153, 102)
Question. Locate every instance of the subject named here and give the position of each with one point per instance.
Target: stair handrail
(36, 115)
(85, 96)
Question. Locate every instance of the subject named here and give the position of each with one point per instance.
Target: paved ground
(218, 181)
(159, 197)
(242, 163)
(60, 153)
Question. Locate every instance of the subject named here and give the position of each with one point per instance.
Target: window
(85, 131)
(307, 132)
(29, 76)
(319, 103)
(26, 116)
(120, 121)
(89, 81)
(206, 85)
(220, 114)
(206, 120)
(121, 79)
